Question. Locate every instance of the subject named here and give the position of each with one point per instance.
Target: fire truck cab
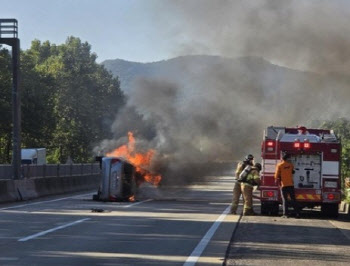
(315, 154)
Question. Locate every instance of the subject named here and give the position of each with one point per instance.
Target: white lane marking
(40, 202)
(197, 252)
(136, 203)
(9, 258)
(52, 230)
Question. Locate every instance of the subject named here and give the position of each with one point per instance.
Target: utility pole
(9, 36)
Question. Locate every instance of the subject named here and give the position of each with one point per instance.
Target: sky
(225, 103)
(125, 29)
(304, 35)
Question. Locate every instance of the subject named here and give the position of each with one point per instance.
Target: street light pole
(9, 36)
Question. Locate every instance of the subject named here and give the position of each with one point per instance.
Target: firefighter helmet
(258, 166)
(249, 157)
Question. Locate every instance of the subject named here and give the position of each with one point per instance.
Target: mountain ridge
(182, 67)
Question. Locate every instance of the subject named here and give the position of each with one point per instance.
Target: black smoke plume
(212, 110)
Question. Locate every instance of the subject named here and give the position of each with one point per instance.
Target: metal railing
(51, 170)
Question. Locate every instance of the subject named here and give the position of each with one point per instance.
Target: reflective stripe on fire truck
(308, 197)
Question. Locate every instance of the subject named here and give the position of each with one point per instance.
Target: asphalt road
(311, 240)
(173, 227)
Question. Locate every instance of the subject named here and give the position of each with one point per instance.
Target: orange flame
(141, 161)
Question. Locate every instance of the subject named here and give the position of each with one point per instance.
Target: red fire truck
(315, 154)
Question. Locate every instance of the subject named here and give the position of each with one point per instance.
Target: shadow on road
(266, 240)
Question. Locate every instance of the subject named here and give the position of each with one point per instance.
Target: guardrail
(51, 170)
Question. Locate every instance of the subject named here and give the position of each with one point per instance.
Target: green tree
(38, 88)
(5, 106)
(68, 100)
(85, 100)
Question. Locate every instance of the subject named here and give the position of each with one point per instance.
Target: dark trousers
(285, 191)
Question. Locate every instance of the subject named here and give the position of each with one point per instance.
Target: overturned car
(118, 180)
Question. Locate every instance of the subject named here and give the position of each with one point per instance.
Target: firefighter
(284, 176)
(237, 191)
(253, 179)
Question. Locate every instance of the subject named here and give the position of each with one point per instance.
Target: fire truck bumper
(326, 197)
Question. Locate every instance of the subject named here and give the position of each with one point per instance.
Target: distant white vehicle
(33, 156)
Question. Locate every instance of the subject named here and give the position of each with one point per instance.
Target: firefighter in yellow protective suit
(237, 191)
(253, 179)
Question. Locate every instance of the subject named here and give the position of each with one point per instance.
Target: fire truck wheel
(264, 208)
(270, 208)
(330, 210)
(275, 209)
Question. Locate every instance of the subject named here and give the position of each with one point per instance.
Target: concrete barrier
(8, 191)
(59, 185)
(30, 188)
(26, 189)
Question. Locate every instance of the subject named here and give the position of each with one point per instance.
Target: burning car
(123, 170)
(118, 180)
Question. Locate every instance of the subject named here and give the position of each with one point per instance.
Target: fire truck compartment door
(307, 171)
